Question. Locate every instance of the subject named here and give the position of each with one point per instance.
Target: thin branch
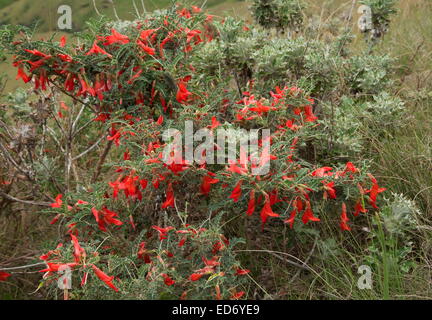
(101, 161)
(144, 8)
(76, 120)
(303, 266)
(89, 149)
(9, 197)
(306, 261)
(96, 9)
(23, 267)
(72, 96)
(83, 127)
(115, 10)
(16, 165)
(136, 9)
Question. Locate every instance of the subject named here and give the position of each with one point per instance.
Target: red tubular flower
(213, 262)
(181, 242)
(109, 215)
(234, 168)
(299, 204)
(149, 50)
(143, 183)
(163, 232)
(147, 34)
(36, 52)
(195, 276)
(22, 75)
(291, 219)
(46, 256)
(116, 187)
(329, 190)
(58, 202)
(128, 185)
(310, 117)
(55, 219)
(374, 191)
(65, 57)
(169, 202)
(218, 292)
(84, 279)
(359, 208)
(105, 278)
(105, 217)
(196, 9)
(236, 193)
(322, 172)
(79, 253)
(351, 168)
(308, 214)
(182, 94)
(167, 280)
(184, 13)
(344, 219)
(215, 123)
(160, 120)
(237, 295)
(116, 37)
(54, 267)
(260, 108)
(135, 76)
(62, 42)
(241, 272)
(126, 156)
(208, 180)
(267, 211)
(251, 203)
(95, 49)
(142, 253)
(4, 276)
(218, 246)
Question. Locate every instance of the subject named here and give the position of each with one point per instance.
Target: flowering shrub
(137, 221)
(168, 263)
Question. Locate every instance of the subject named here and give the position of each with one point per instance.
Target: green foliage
(382, 10)
(279, 14)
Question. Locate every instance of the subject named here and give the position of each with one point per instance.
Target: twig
(72, 96)
(115, 10)
(23, 267)
(89, 149)
(303, 266)
(306, 261)
(9, 197)
(76, 120)
(16, 165)
(101, 161)
(136, 9)
(96, 9)
(144, 8)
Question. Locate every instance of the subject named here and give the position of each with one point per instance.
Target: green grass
(5, 3)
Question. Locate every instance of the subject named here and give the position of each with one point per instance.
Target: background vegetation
(389, 130)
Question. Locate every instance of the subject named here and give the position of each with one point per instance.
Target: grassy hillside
(45, 12)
